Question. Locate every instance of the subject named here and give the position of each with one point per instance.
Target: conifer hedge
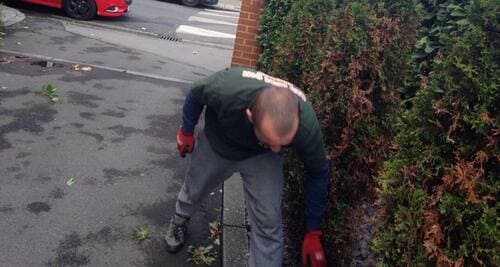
(407, 96)
(440, 190)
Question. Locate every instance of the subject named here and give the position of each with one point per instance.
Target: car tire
(191, 3)
(80, 9)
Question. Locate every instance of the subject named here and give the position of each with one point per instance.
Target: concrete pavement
(40, 153)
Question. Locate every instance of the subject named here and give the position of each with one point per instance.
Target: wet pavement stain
(133, 58)
(86, 100)
(70, 39)
(37, 207)
(157, 213)
(10, 94)
(123, 132)
(57, 193)
(106, 236)
(26, 163)
(175, 164)
(112, 113)
(98, 137)
(42, 179)
(163, 125)
(105, 49)
(112, 175)
(6, 209)
(158, 150)
(67, 253)
(50, 138)
(77, 125)
(13, 169)
(19, 176)
(99, 86)
(22, 155)
(87, 115)
(27, 119)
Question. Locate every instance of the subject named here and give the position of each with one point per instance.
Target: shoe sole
(172, 249)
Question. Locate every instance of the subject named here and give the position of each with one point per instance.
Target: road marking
(203, 32)
(218, 15)
(221, 11)
(212, 21)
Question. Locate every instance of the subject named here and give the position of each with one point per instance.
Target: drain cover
(169, 37)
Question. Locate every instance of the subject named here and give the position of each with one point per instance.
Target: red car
(87, 9)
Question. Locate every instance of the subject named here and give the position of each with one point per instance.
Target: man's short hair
(280, 105)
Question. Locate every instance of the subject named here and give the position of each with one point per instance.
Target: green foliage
(202, 254)
(50, 91)
(411, 83)
(141, 233)
(448, 141)
(350, 58)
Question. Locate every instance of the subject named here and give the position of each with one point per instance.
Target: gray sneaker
(176, 233)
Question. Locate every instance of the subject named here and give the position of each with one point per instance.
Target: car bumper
(113, 8)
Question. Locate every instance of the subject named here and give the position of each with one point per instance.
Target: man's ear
(249, 115)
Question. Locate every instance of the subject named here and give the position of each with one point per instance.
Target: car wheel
(190, 2)
(80, 9)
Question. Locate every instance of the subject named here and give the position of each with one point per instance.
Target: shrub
(350, 58)
(448, 144)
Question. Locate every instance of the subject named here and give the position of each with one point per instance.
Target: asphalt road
(161, 18)
(113, 131)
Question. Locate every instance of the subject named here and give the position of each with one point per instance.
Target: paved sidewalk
(231, 5)
(234, 243)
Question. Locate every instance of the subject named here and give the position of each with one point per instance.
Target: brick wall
(246, 48)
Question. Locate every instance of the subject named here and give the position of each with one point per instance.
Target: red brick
(249, 22)
(254, 16)
(256, 50)
(237, 53)
(251, 29)
(239, 41)
(243, 48)
(243, 61)
(244, 14)
(250, 56)
(251, 42)
(241, 28)
(246, 36)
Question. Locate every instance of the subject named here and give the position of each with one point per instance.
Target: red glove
(185, 142)
(312, 251)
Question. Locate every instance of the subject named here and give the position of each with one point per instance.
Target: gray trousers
(262, 184)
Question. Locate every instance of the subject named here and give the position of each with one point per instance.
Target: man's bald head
(279, 107)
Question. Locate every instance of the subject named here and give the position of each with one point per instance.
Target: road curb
(227, 7)
(234, 231)
(9, 16)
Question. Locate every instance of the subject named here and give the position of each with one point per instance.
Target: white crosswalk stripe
(203, 32)
(234, 16)
(211, 23)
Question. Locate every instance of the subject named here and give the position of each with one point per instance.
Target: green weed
(50, 91)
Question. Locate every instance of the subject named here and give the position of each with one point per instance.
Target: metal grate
(171, 38)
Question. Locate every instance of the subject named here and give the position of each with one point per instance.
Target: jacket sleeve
(317, 187)
(311, 150)
(190, 113)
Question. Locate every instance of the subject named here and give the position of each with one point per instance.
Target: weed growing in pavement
(206, 254)
(71, 181)
(215, 231)
(141, 233)
(202, 254)
(50, 91)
